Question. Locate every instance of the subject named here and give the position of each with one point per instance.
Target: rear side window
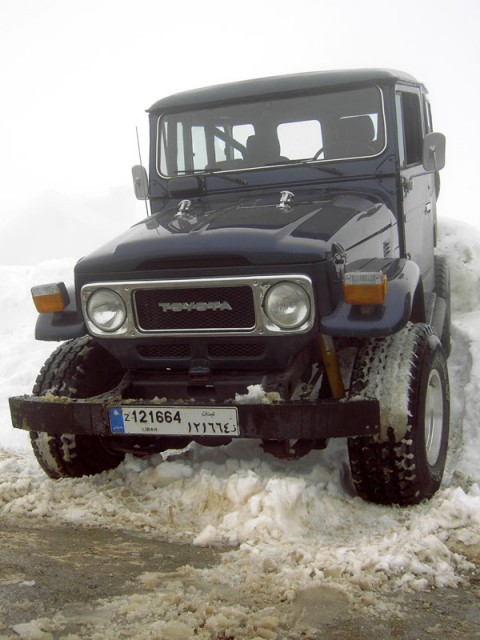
(428, 115)
(410, 128)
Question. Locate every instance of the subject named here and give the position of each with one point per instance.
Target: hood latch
(285, 199)
(183, 208)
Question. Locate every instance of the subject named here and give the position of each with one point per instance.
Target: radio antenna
(138, 147)
(141, 163)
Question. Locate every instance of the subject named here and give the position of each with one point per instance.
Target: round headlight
(106, 310)
(287, 305)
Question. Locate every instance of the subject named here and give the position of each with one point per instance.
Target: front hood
(255, 231)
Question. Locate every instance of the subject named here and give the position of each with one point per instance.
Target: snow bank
(461, 243)
(21, 356)
(58, 225)
(291, 524)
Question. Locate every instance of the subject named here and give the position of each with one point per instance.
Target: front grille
(164, 350)
(213, 307)
(214, 350)
(195, 309)
(232, 350)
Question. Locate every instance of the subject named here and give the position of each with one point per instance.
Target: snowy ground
(292, 526)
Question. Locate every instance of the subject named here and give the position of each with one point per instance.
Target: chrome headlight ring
(287, 305)
(106, 310)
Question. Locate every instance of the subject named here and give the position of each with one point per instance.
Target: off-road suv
(284, 287)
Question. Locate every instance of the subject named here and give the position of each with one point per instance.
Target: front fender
(63, 325)
(403, 283)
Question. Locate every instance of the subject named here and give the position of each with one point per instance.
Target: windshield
(322, 127)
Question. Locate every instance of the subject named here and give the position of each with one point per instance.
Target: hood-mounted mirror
(433, 151)
(140, 182)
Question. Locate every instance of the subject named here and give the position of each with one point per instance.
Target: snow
(75, 227)
(292, 526)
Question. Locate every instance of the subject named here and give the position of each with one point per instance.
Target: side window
(410, 128)
(172, 159)
(428, 115)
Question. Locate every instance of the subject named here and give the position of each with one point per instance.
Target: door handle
(428, 208)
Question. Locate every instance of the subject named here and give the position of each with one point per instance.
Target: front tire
(407, 373)
(78, 368)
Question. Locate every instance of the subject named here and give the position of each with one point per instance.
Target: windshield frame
(380, 135)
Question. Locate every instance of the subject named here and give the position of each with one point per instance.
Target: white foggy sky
(77, 75)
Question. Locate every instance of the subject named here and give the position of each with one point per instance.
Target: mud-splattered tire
(77, 369)
(407, 373)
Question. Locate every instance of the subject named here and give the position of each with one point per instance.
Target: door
(418, 187)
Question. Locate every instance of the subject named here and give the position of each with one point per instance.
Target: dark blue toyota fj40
(284, 287)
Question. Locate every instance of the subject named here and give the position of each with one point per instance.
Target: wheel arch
(418, 311)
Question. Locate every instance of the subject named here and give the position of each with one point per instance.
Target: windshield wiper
(216, 174)
(333, 170)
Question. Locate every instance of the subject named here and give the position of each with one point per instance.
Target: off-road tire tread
(79, 368)
(383, 467)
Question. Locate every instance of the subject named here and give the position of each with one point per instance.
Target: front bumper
(276, 421)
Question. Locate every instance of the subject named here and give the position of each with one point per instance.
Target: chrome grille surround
(259, 325)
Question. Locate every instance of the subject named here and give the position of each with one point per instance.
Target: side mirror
(433, 152)
(140, 182)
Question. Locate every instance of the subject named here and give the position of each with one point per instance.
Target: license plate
(175, 421)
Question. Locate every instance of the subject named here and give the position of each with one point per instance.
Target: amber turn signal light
(364, 287)
(50, 298)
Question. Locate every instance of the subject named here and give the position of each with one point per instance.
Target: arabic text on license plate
(178, 421)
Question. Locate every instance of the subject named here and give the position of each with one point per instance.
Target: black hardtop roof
(279, 85)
